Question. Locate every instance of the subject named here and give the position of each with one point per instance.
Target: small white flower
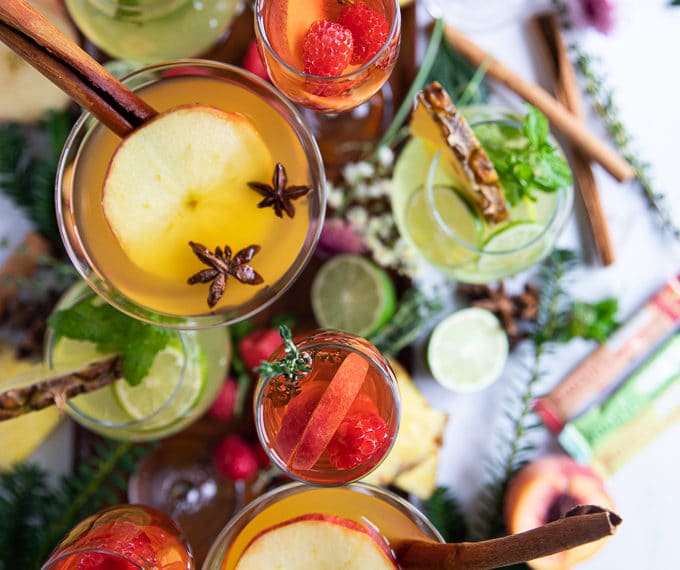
(385, 156)
(357, 217)
(355, 172)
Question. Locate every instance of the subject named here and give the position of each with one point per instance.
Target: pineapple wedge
(412, 463)
(21, 436)
(437, 120)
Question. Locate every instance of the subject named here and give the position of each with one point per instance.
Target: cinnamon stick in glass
(560, 117)
(565, 86)
(57, 57)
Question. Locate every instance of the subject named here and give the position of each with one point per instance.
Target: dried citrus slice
(437, 120)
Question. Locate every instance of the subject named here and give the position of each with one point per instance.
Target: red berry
(327, 49)
(261, 456)
(369, 29)
(358, 438)
(222, 408)
(234, 458)
(252, 61)
(258, 345)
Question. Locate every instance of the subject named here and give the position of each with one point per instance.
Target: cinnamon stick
(565, 85)
(55, 55)
(581, 525)
(55, 391)
(21, 264)
(557, 114)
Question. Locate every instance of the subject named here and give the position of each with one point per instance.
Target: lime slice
(161, 391)
(351, 294)
(467, 350)
(511, 249)
(455, 213)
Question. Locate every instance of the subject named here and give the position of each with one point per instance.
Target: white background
(641, 58)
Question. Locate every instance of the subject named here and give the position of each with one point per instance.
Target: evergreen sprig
(446, 514)
(34, 516)
(28, 171)
(515, 447)
(285, 372)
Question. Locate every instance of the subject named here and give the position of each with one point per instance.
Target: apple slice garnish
(330, 411)
(298, 413)
(318, 541)
(176, 178)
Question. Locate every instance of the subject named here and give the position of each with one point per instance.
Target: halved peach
(544, 491)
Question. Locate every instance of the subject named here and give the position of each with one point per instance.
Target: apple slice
(318, 542)
(176, 178)
(330, 411)
(296, 417)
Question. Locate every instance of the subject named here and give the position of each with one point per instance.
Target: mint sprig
(526, 160)
(112, 332)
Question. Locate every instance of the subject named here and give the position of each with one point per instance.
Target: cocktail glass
(353, 104)
(155, 290)
(149, 31)
(344, 419)
(124, 537)
(388, 514)
(182, 383)
(446, 228)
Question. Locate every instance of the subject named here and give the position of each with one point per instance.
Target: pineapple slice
(412, 463)
(436, 119)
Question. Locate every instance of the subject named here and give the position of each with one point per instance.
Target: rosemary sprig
(516, 448)
(604, 104)
(445, 513)
(285, 373)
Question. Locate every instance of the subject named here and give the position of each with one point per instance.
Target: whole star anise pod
(279, 195)
(222, 265)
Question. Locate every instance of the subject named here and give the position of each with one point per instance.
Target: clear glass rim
(94, 550)
(257, 505)
(395, 28)
(386, 372)
(107, 290)
(557, 218)
(73, 409)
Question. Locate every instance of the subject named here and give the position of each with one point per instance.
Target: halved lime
(431, 229)
(352, 294)
(467, 350)
(170, 389)
(511, 249)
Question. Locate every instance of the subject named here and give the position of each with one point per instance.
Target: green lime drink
(447, 229)
(148, 31)
(182, 382)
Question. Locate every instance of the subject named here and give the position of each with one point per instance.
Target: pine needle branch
(445, 513)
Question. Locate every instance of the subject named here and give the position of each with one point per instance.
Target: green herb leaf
(445, 513)
(591, 321)
(113, 333)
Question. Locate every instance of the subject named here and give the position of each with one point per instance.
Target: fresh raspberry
(326, 49)
(369, 29)
(258, 345)
(358, 438)
(263, 461)
(222, 408)
(234, 458)
(252, 61)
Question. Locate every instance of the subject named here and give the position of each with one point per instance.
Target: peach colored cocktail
(336, 422)
(327, 55)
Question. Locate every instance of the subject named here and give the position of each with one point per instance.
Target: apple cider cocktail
(203, 215)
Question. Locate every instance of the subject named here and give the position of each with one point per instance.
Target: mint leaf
(536, 127)
(112, 332)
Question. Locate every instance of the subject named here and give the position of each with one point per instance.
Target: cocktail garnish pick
(222, 266)
(583, 524)
(279, 195)
(286, 372)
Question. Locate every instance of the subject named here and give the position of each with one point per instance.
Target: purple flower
(599, 14)
(338, 236)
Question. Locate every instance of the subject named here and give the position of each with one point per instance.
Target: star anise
(512, 310)
(279, 195)
(222, 265)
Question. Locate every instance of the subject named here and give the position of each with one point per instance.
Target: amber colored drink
(344, 419)
(155, 288)
(281, 25)
(392, 517)
(124, 537)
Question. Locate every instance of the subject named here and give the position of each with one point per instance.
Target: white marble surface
(641, 59)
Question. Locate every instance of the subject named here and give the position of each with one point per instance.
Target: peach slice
(318, 542)
(296, 418)
(330, 411)
(176, 178)
(544, 491)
